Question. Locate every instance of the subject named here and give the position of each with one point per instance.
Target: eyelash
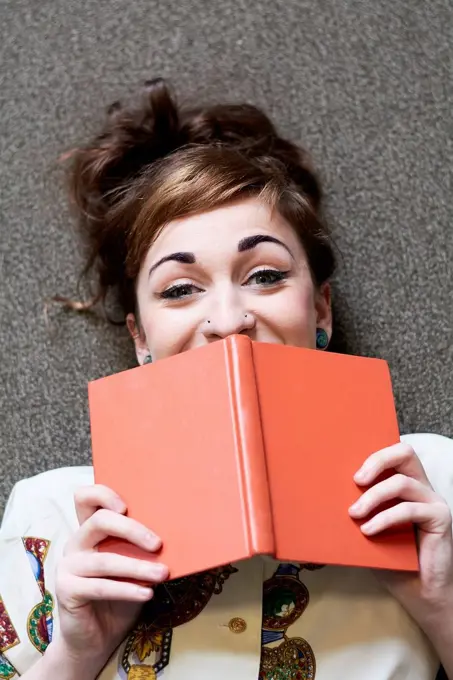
(169, 293)
(279, 276)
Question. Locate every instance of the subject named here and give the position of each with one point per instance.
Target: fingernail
(356, 507)
(160, 570)
(368, 527)
(145, 592)
(152, 541)
(361, 474)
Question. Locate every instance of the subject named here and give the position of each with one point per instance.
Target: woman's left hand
(427, 595)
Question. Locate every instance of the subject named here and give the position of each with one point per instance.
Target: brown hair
(156, 162)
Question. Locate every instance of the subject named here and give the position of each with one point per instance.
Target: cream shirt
(257, 619)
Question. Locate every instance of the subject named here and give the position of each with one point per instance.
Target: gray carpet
(365, 85)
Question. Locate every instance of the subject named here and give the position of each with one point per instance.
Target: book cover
(322, 415)
(241, 448)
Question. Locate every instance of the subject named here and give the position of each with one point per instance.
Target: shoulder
(428, 443)
(49, 493)
(434, 450)
(52, 479)
(53, 484)
(436, 455)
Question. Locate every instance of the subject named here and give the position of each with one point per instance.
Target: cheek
(295, 316)
(164, 337)
(157, 325)
(168, 331)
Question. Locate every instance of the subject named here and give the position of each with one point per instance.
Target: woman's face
(239, 268)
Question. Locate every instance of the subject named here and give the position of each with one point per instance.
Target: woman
(203, 223)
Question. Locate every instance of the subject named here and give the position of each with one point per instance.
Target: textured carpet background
(365, 85)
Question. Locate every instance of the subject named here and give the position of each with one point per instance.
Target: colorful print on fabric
(147, 649)
(8, 636)
(285, 599)
(7, 671)
(40, 619)
(8, 639)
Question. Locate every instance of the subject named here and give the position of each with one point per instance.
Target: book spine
(248, 435)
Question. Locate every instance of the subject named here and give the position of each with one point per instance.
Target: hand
(97, 611)
(428, 594)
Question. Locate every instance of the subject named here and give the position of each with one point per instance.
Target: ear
(323, 307)
(138, 336)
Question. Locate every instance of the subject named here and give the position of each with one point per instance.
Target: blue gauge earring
(322, 339)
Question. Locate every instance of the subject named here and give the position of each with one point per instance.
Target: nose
(225, 321)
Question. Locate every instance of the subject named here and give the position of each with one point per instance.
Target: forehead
(222, 227)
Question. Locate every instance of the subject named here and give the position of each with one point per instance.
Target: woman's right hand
(96, 611)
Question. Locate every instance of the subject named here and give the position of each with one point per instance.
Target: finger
(430, 517)
(75, 591)
(95, 564)
(400, 457)
(396, 486)
(105, 523)
(88, 499)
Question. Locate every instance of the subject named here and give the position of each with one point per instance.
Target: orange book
(241, 448)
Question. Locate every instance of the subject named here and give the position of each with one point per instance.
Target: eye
(179, 291)
(266, 277)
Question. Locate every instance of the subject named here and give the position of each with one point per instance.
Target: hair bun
(135, 137)
(160, 111)
(132, 138)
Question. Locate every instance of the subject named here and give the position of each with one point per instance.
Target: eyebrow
(250, 242)
(184, 258)
(247, 243)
